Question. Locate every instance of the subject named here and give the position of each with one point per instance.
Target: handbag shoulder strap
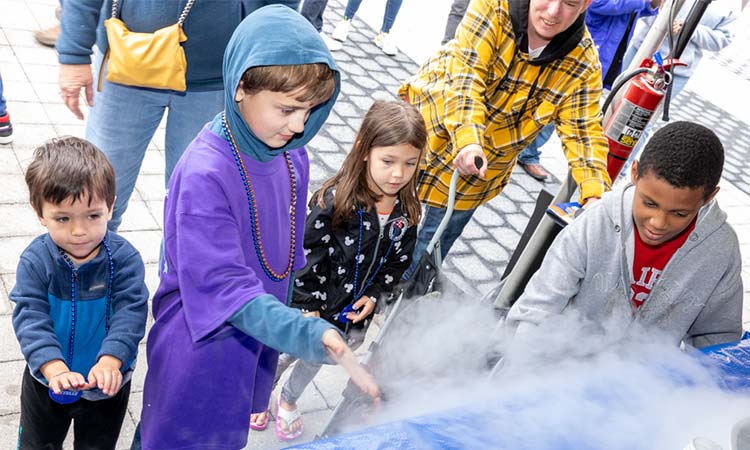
(180, 21)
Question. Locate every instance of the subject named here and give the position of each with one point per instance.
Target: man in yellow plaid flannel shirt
(513, 67)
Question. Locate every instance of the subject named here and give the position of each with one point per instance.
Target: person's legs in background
(427, 229)
(48, 36)
(342, 28)
(528, 159)
(312, 10)
(121, 123)
(187, 115)
(6, 128)
(456, 14)
(384, 39)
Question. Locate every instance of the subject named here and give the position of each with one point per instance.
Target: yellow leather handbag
(152, 60)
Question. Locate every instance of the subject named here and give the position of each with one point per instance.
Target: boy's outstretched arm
(343, 355)
(557, 281)
(269, 321)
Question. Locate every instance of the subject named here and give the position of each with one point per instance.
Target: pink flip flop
(289, 417)
(260, 426)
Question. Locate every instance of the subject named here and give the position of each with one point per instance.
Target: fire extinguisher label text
(628, 124)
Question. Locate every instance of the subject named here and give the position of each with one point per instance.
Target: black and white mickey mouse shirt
(326, 284)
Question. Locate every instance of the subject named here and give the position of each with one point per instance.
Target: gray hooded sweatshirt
(589, 268)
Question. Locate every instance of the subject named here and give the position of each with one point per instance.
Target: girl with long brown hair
(359, 237)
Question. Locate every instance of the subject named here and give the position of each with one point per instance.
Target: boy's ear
(711, 196)
(111, 210)
(239, 94)
(634, 172)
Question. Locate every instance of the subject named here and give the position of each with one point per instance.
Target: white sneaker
(386, 42)
(342, 30)
(332, 44)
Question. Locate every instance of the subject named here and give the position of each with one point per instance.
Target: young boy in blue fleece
(659, 253)
(81, 303)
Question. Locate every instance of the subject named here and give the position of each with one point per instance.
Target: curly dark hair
(685, 155)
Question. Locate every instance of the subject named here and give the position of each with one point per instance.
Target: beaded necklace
(74, 297)
(252, 206)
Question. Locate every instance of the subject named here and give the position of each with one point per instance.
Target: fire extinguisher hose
(621, 81)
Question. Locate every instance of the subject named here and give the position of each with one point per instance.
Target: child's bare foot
(259, 421)
(289, 423)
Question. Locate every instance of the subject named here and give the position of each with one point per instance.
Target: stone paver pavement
(717, 96)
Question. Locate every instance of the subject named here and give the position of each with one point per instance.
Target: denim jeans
(2, 99)
(456, 14)
(252, 6)
(430, 223)
(389, 17)
(124, 119)
(531, 154)
(312, 10)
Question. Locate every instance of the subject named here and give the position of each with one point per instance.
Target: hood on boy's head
(274, 35)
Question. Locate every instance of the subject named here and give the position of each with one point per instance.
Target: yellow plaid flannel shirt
(463, 101)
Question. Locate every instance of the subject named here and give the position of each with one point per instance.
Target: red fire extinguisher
(634, 110)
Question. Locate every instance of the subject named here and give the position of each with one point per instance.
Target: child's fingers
(55, 385)
(113, 382)
(116, 383)
(364, 300)
(105, 381)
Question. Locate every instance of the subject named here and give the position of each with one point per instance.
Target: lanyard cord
(74, 298)
(358, 295)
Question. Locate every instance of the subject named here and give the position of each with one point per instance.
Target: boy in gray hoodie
(658, 253)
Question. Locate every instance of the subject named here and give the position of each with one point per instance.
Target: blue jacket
(607, 21)
(42, 315)
(208, 27)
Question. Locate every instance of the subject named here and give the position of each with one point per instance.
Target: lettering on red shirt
(649, 262)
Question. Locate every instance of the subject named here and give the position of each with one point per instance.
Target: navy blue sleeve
(285, 329)
(130, 309)
(78, 24)
(31, 315)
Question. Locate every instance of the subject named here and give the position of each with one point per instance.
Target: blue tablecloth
(513, 420)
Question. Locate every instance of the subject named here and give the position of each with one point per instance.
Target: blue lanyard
(74, 298)
(358, 294)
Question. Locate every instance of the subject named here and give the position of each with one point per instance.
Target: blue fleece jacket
(208, 27)
(42, 316)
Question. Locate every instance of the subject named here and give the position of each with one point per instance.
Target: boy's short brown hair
(317, 80)
(69, 167)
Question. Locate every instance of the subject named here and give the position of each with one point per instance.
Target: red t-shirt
(649, 262)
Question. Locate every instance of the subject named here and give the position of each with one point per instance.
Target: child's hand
(106, 375)
(311, 314)
(67, 381)
(60, 378)
(362, 308)
(342, 355)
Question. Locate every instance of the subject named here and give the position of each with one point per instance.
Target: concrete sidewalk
(717, 96)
